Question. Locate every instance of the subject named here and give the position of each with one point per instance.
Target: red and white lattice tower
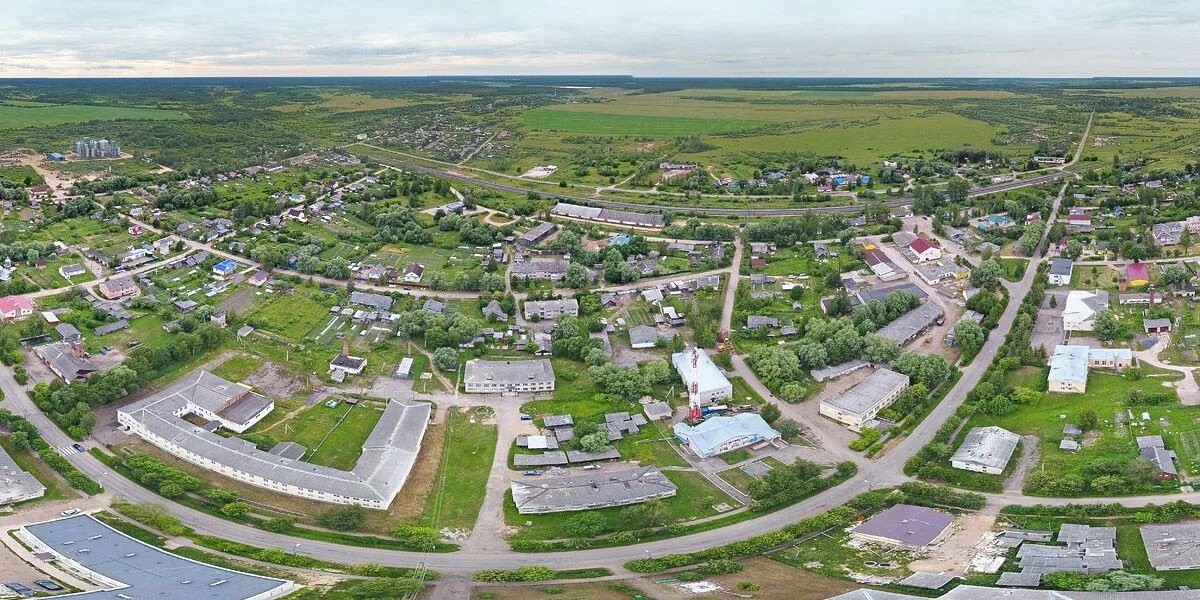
(694, 390)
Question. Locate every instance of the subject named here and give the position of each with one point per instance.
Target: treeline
(993, 395)
(789, 231)
(693, 229)
(70, 405)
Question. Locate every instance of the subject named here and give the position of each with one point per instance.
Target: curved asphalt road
(884, 472)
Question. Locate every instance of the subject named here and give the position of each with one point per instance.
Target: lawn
(238, 367)
(48, 276)
(743, 394)
(332, 436)
(466, 464)
(34, 115)
(1013, 269)
(294, 316)
(1106, 395)
(658, 126)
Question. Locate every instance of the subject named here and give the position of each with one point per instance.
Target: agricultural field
(35, 114)
(862, 126)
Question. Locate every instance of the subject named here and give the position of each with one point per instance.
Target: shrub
(343, 518)
(277, 525)
(722, 566)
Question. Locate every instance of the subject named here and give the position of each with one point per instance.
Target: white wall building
(712, 385)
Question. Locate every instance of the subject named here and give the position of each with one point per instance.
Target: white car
(69, 512)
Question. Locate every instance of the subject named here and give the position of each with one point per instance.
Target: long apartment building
(387, 457)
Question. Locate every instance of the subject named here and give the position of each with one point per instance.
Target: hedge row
(537, 573)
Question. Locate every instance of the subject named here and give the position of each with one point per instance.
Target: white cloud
(639, 37)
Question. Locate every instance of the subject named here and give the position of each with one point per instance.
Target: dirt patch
(239, 301)
(776, 581)
(954, 554)
(1090, 438)
(276, 380)
(575, 591)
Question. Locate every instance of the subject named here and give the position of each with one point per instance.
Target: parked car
(526, 417)
(20, 589)
(591, 467)
(46, 584)
(79, 448)
(69, 512)
(533, 472)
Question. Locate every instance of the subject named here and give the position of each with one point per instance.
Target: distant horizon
(569, 76)
(652, 38)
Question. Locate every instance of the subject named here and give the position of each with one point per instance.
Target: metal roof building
(501, 376)
(1068, 369)
(912, 323)
(905, 525)
(719, 435)
(388, 454)
(985, 450)
(712, 386)
(132, 569)
(599, 489)
(863, 402)
(16, 484)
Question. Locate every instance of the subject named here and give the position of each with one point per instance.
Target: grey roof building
(882, 292)
(985, 450)
(591, 490)
(376, 301)
(536, 235)
(113, 327)
(141, 570)
(645, 336)
(550, 309)
(905, 525)
(62, 358)
(912, 323)
(552, 269)
(863, 402)
(1172, 547)
(493, 309)
(506, 376)
(16, 484)
(388, 454)
(68, 332)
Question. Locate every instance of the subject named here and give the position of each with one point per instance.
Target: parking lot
(1048, 328)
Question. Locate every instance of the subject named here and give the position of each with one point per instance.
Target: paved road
(886, 471)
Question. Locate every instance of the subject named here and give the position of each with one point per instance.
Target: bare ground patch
(276, 380)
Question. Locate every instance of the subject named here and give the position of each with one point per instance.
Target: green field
(466, 464)
(237, 367)
(1106, 395)
(332, 436)
(41, 115)
(659, 126)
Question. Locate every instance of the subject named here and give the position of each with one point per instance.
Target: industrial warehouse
(597, 490)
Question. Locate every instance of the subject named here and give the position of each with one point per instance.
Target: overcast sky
(126, 38)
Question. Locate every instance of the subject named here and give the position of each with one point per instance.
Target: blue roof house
(718, 435)
(224, 268)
